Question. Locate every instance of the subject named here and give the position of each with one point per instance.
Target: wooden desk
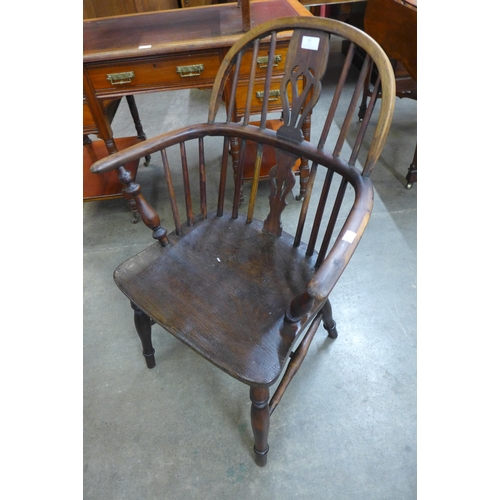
(164, 50)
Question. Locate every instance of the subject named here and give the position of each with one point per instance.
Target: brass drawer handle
(193, 70)
(264, 60)
(120, 78)
(273, 95)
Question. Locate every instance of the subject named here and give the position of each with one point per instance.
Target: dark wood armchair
(228, 280)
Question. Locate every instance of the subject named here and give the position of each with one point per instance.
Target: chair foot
(259, 415)
(328, 322)
(332, 332)
(150, 359)
(143, 326)
(261, 457)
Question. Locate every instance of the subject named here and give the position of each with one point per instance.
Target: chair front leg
(328, 321)
(143, 326)
(260, 423)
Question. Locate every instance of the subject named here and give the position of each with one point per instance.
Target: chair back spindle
(203, 179)
(171, 192)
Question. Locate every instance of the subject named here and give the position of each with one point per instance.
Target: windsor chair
(241, 291)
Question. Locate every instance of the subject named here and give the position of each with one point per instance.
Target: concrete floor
(346, 428)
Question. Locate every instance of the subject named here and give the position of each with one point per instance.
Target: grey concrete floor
(345, 429)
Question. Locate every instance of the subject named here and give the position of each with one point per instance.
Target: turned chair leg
(143, 326)
(328, 321)
(260, 423)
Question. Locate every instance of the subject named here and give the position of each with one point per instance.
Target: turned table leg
(138, 125)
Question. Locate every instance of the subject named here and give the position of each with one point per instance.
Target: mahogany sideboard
(165, 50)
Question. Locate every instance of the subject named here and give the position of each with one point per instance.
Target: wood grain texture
(239, 324)
(394, 25)
(107, 8)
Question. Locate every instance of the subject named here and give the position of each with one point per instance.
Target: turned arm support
(149, 216)
(115, 162)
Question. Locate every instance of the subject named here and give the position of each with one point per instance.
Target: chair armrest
(147, 147)
(333, 266)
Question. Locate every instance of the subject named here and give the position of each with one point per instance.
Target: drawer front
(183, 71)
(263, 60)
(274, 103)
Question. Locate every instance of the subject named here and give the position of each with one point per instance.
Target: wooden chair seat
(247, 340)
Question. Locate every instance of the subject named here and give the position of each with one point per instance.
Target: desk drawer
(274, 103)
(183, 71)
(263, 60)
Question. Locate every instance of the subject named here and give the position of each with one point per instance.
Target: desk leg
(104, 131)
(138, 125)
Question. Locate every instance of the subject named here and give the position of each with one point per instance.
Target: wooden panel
(394, 26)
(198, 3)
(109, 105)
(156, 72)
(99, 8)
(154, 5)
(89, 126)
(104, 186)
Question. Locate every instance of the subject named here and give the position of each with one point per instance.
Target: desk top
(171, 31)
